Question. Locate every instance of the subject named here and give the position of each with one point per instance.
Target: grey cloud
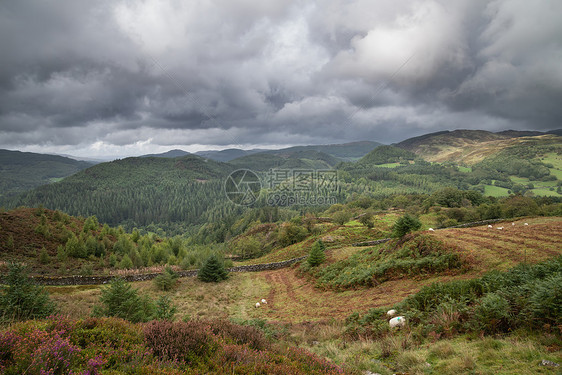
(154, 73)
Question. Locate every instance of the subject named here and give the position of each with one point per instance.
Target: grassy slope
(466, 146)
(313, 317)
(295, 299)
(20, 224)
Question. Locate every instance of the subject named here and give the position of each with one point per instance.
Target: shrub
(316, 256)
(367, 220)
(181, 341)
(405, 225)
(239, 334)
(21, 299)
(167, 280)
(546, 301)
(341, 217)
(492, 314)
(291, 233)
(212, 271)
(120, 300)
(37, 352)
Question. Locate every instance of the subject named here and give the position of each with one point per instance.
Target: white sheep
(257, 305)
(490, 227)
(399, 321)
(263, 301)
(526, 224)
(500, 228)
(391, 313)
(512, 224)
(431, 230)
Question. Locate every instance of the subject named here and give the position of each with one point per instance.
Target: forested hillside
(304, 159)
(139, 191)
(21, 171)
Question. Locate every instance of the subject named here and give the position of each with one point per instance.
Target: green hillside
(21, 171)
(346, 151)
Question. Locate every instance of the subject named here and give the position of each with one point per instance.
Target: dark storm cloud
(139, 76)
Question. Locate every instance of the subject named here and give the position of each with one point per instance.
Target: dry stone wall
(99, 280)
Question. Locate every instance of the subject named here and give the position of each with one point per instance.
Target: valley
(166, 213)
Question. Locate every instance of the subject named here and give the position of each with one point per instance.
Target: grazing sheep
(512, 224)
(490, 227)
(431, 230)
(391, 313)
(399, 321)
(263, 301)
(257, 305)
(500, 228)
(526, 224)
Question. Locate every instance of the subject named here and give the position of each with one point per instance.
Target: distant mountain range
(177, 186)
(344, 152)
(168, 154)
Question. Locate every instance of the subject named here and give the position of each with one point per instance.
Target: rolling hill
(469, 147)
(344, 152)
(168, 154)
(298, 159)
(21, 171)
(228, 154)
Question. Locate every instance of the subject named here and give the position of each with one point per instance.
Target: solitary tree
(405, 225)
(212, 271)
(316, 256)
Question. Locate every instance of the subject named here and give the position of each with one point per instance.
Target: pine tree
(119, 299)
(44, 256)
(21, 299)
(212, 271)
(126, 263)
(405, 225)
(316, 256)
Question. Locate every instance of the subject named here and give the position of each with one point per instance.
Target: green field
(556, 161)
(495, 191)
(388, 165)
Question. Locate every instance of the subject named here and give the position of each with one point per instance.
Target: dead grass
(503, 249)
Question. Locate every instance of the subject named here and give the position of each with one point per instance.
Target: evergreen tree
(316, 256)
(126, 263)
(212, 271)
(405, 225)
(167, 280)
(165, 309)
(119, 299)
(76, 248)
(44, 256)
(21, 299)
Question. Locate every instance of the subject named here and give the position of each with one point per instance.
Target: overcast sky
(117, 78)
